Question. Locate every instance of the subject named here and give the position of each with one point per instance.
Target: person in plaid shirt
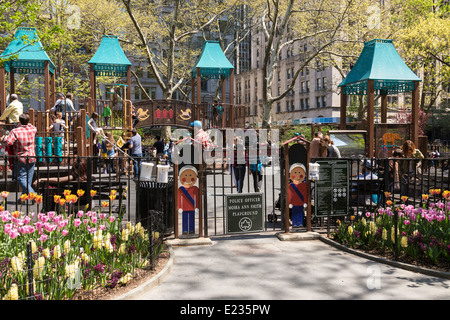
(21, 139)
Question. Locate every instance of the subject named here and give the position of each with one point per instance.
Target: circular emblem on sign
(245, 224)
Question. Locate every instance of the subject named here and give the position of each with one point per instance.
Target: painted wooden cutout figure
(188, 195)
(297, 193)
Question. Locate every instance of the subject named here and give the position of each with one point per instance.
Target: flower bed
(415, 234)
(58, 253)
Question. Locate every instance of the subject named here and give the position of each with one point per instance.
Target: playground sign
(332, 189)
(244, 213)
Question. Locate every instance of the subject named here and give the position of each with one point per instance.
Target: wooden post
(81, 142)
(415, 114)
(53, 89)
(128, 92)
(194, 111)
(200, 200)
(199, 96)
(232, 97)
(370, 117)
(223, 102)
(286, 183)
(40, 122)
(92, 84)
(2, 90)
(175, 192)
(308, 190)
(12, 81)
(383, 107)
(47, 86)
(343, 114)
(32, 115)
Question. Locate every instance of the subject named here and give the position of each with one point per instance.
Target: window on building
(324, 102)
(306, 103)
(317, 102)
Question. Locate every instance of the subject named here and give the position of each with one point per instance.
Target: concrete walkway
(261, 267)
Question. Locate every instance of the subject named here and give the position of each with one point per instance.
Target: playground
(223, 179)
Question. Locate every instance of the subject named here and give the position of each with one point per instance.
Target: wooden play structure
(28, 56)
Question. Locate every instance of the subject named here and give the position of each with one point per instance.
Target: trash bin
(147, 170)
(163, 173)
(155, 196)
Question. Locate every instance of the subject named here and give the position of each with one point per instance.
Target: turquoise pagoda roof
(379, 61)
(109, 59)
(213, 63)
(25, 53)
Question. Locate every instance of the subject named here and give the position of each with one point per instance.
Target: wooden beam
(47, 86)
(199, 96)
(53, 89)
(370, 117)
(415, 114)
(343, 111)
(92, 83)
(12, 81)
(286, 184)
(383, 107)
(2, 90)
(128, 94)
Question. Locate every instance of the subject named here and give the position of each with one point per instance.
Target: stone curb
(397, 264)
(153, 282)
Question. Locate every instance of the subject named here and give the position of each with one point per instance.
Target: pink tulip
(93, 219)
(102, 227)
(14, 233)
(43, 238)
(76, 222)
(80, 214)
(64, 232)
(111, 219)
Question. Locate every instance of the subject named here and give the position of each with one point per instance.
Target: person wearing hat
(188, 195)
(297, 193)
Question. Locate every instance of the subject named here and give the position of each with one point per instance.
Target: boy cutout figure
(188, 195)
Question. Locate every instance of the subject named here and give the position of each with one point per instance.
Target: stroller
(273, 217)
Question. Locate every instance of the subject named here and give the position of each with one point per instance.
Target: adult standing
(63, 105)
(316, 149)
(136, 151)
(21, 139)
(159, 147)
(13, 111)
(332, 150)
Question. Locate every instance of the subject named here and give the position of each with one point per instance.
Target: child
(58, 125)
(107, 114)
(108, 148)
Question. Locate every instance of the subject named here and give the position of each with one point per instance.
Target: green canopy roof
(379, 61)
(109, 59)
(213, 63)
(27, 53)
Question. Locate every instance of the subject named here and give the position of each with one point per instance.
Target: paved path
(262, 267)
